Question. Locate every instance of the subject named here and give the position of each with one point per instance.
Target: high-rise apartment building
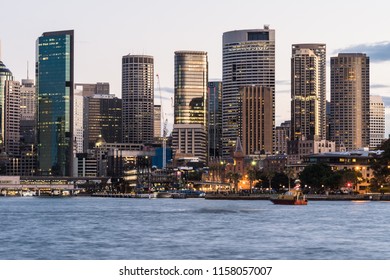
(214, 116)
(350, 100)
(308, 91)
(190, 102)
(248, 59)
(54, 81)
(256, 119)
(138, 99)
(377, 121)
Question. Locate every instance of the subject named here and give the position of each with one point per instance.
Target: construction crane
(164, 123)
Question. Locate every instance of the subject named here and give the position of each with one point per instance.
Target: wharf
(310, 197)
(117, 195)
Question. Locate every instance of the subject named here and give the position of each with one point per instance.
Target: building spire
(27, 69)
(239, 148)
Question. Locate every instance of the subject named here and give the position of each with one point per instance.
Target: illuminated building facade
(308, 91)
(248, 59)
(350, 101)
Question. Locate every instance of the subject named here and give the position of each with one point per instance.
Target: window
(258, 36)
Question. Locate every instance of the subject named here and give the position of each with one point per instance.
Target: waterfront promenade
(341, 197)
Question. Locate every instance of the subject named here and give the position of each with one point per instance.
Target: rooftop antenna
(0, 50)
(27, 69)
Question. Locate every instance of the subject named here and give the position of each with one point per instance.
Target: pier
(310, 197)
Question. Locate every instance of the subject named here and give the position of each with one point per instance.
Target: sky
(107, 30)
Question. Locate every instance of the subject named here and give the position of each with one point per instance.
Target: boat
(291, 197)
(28, 193)
(164, 195)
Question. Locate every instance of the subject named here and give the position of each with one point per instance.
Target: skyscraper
(214, 116)
(28, 100)
(190, 107)
(138, 99)
(350, 100)
(377, 121)
(157, 121)
(248, 59)
(256, 119)
(308, 91)
(12, 119)
(54, 81)
(104, 119)
(28, 128)
(5, 75)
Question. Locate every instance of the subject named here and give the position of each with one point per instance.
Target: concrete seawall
(374, 197)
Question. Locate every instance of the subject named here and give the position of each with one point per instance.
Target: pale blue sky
(107, 30)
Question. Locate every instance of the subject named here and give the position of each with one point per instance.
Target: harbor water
(93, 228)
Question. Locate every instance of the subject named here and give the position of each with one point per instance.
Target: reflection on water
(109, 228)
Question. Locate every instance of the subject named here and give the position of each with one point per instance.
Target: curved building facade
(248, 59)
(138, 99)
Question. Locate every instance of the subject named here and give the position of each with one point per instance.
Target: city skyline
(159, 35)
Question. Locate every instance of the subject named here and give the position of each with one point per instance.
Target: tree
(289, 171)
(235, 178)
(279, 179)
(381, 166)
(315, 175)
(251, 178)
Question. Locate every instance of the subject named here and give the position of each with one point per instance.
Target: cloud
(378, 52)
(377, 86)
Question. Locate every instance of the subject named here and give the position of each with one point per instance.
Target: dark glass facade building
(104, 119)
(54, 82)
(214, 115)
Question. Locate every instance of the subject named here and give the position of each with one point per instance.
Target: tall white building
(78, 121)
(248, 59)
(377, 121)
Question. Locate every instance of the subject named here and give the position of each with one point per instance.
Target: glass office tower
(248, 59)
(54, 82)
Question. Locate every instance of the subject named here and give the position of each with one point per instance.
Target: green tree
(315, 175)
(381, 166)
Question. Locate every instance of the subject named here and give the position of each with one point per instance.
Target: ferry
(292, 197)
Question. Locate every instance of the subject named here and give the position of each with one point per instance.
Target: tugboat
(292, 197)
